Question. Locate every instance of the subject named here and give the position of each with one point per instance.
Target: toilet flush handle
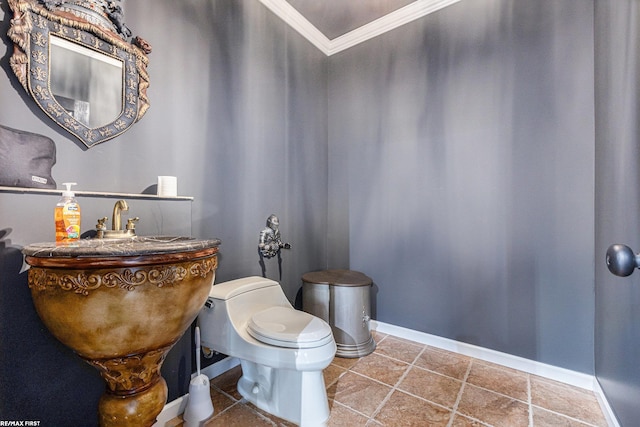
(621, 260)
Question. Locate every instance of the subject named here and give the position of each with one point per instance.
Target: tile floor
(403, 383)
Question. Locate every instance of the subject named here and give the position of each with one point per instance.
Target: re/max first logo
(19, 423)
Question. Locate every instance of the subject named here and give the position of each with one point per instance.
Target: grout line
(454, 410)
(234, 401)
(431, 402)
(328, 385)
(242, 401)
(395, 359)
(395, 386)
(565, 416)
(369, 418)
(224, 393)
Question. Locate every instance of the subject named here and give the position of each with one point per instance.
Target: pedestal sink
(121, 304)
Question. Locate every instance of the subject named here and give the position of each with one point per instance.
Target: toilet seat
(286, 327)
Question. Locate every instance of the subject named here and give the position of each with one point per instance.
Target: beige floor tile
(403, 410)
(492, 408)
(220, 400)
(444, 362)
(565, 399)
(239, 415)
(400, 349)
(228, 381)
(277, 421)
(543, 418)
(378, 336)
(462, 421)
(344, 362)
(342, 416)
(331, 373)
(431, 386)
(501, 380)
(359, 393)
(381, 368)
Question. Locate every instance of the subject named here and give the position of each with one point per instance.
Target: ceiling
(336, 25)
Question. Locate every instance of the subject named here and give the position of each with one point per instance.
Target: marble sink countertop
(138, 245)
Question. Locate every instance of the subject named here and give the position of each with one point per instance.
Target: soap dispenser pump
(67, 216)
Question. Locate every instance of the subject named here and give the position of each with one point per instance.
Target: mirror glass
(86, 83)
(75, 61)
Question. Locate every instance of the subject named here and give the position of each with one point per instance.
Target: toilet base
(296, 396)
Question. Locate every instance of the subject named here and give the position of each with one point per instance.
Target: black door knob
(621, 260)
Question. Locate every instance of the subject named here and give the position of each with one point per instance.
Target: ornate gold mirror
(75, 60)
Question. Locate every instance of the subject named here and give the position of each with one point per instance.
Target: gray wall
(461, 154)
(452, 160)
(238, 113)
(617, 333)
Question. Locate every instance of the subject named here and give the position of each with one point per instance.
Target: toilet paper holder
(270, 242)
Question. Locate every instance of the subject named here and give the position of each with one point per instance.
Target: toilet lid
(286, 327)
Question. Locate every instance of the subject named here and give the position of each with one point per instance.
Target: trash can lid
(337, 278)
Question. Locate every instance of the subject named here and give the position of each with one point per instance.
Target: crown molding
(395, 19)
(295, 20)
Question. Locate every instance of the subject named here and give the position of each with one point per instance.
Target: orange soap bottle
(67, 216)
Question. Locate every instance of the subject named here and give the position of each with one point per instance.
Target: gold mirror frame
(30, 30)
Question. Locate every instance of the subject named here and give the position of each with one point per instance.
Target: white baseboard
(176, 407)
(171, 410)
(574, 378)
(566, 376)
(604, 404)
(577, 379)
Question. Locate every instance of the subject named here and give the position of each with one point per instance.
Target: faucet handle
(100, 225)
(101, 228)
(131, 223)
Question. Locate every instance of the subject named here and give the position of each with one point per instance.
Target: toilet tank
(234, 288)
(229, 307)
(244, 297)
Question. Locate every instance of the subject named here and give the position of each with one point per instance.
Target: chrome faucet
(116, 223)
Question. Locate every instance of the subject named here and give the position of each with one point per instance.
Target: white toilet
(282, 351)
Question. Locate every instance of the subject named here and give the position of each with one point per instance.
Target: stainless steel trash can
(342, 298)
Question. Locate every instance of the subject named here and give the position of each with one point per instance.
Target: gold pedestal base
(136, 392)
(137, 410)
